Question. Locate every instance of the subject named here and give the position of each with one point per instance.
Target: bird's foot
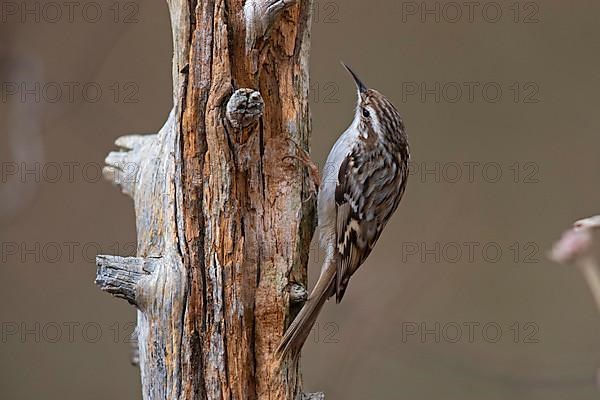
(313, 170)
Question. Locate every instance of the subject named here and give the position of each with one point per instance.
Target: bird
(363, 181)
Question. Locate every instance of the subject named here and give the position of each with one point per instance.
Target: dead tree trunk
(223, 229)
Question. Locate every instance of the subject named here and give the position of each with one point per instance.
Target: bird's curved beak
(362, 88)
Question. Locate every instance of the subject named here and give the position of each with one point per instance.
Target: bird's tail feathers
(298, 331)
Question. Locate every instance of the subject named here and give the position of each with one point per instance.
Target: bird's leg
(313, 170)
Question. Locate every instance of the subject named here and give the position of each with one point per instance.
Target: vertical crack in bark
(194, 148)
(181, 241)
(261, 165)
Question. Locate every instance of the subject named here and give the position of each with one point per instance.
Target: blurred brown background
(457, 301)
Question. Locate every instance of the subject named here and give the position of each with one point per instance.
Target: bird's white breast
(326, 199)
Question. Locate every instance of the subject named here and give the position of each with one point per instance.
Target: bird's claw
(313, 170)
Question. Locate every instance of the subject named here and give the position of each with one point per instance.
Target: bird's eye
(365, 113)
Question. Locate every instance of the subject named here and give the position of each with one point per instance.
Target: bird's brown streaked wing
(368, 191)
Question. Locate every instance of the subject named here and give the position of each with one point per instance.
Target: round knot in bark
(298, 293)
(244, 108)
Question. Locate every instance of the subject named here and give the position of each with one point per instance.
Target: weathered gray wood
(121, 276)
(223, 229)
(260, 15)
(312, 396)
(146, 171)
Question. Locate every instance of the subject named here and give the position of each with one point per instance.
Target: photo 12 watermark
(55, 172)
(67, 252)
(65, 332)
(69, 92)
(324, 92)
(474, 172)
(470, 252)
(326, 12)
(471, 12)
(469, 92)
(469, 332)
(72, 12)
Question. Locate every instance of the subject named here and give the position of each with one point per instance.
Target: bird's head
(374, 112)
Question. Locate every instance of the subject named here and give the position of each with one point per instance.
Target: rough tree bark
(223, 227)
